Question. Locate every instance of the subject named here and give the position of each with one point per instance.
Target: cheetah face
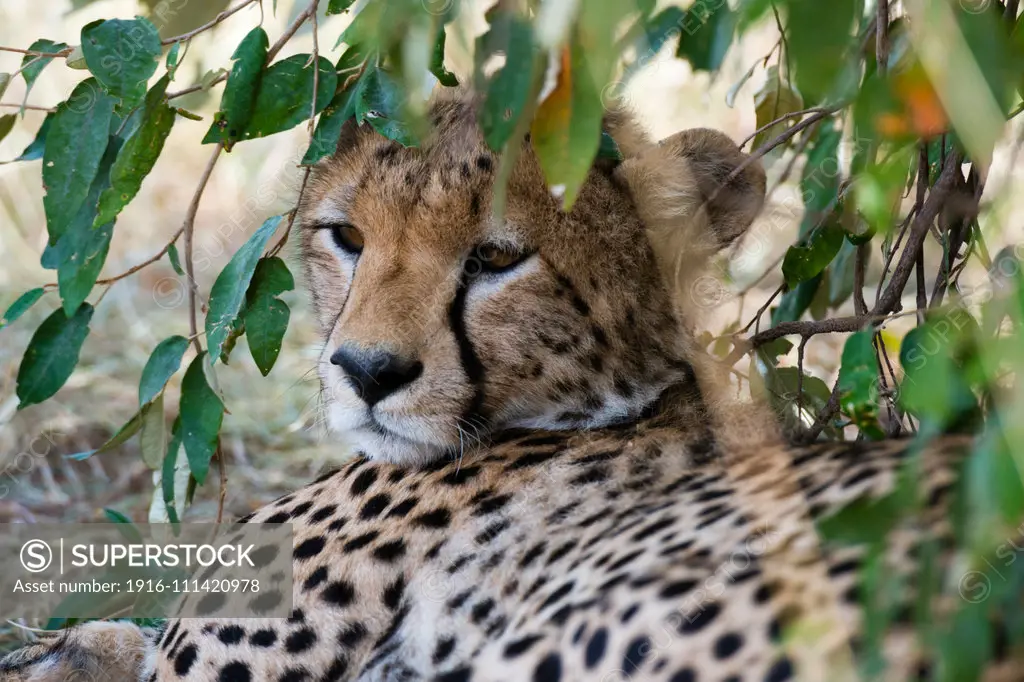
(443, 325)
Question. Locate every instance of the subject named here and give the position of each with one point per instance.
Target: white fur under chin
(387, 448)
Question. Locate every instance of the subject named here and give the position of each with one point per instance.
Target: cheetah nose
(373, 372)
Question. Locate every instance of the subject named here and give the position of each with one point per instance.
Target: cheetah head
(442, 325)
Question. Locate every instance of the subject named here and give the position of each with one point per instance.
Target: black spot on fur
(389, 552)
(231, 634)
(374, 506)
(184, 660)
(360, 541)
(300, 641)
(595, 648)
(338, 593)
(235, 671)
(263, 638)
(309, 548)
(438, 518)
(363, 482)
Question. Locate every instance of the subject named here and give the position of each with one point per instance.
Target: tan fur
(589, 331)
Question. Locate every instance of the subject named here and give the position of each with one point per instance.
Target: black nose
(373, 372)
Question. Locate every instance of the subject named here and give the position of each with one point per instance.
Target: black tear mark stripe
(471, 364)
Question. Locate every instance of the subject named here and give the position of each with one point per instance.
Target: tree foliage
(890, 113)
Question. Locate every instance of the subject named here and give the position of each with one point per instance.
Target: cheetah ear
(696, 193)
(348, 137)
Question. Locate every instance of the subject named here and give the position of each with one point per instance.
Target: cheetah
(547, 485)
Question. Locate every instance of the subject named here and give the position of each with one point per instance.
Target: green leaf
(117, 440)
(841, 271)
(379, 100)
(168, 470)
(127, 530)
(153, 433)
(820, 35)
(338, 6)
(443, 75)
(80, 253)
(795, 302)
(863, 522)
(328, 128)
(52, 355)
(74, 147)
(661, 28)
(508, 91)
(804, 261)
(820, 179)
(341, 108)
(266, 316)
(707, 35)
(5, 80)
(934, 385)
(33, 65)
(7, 124)
(35, 148)
(202, 413)
(163, 362)
(772, 101)
(858, 382)
(122, 54)
(22, 304)
(172, 255)
(228, 292)
(236, 105)
(138, 155)
(171, 62)
(286, 93)
(235, 333)
(566, 132)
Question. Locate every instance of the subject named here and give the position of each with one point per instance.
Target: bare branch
(33, 107)
(824, 417)
(889, 301)
(188, 228)
(784, 117)
(208, 25)
(63, 53)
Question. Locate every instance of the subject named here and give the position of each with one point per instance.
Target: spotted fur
(550, 495)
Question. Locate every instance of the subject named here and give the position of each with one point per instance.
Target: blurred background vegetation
(878, 295)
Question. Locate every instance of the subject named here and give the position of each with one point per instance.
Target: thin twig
(882, 37)
(810, 328)
(824, 416)
(780, 139)
(63, 53)
(860, 306)
(223, 493)
(291, 30)
(800, 374)
(33, 107)
(208, 25)
(780, 119)
(271, 53)
(315, 59)
(187, 229)
(149, 261)
(889, 300)
(760, 311)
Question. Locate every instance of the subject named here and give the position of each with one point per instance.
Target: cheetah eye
(493, 258)
(347, 237)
